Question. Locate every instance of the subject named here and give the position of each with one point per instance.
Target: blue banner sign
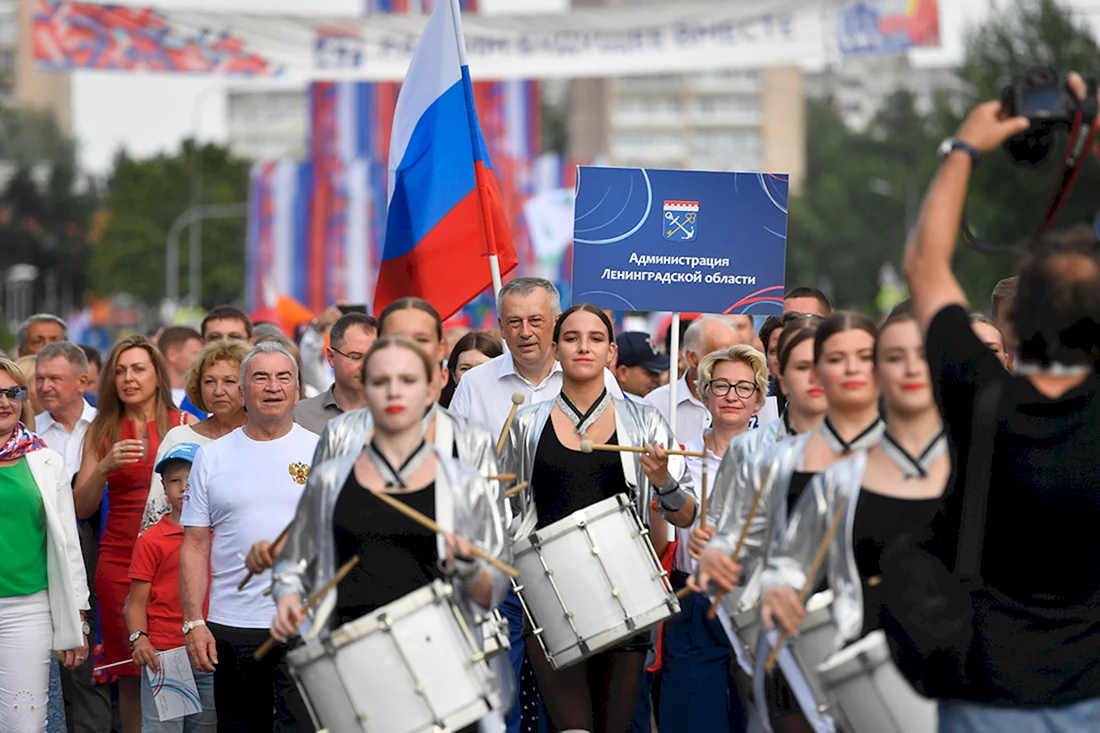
(681, 241)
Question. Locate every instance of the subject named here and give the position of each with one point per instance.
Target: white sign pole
(673, 379)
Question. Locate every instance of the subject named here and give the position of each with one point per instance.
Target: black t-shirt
(1039, 638)
(397, 555)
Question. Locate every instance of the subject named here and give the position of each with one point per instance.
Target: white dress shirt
(69, 445)
(485, 392)
(682, 561)
(692, 416)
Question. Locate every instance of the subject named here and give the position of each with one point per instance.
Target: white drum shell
(591, 581)
(406, 668)
(870, 692)
(494, 635)
(817, 639)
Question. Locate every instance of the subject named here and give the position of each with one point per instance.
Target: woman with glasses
(695, 668)
(43, 588)
(598, 694)
(211, 387)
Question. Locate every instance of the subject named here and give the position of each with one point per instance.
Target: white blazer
(67, 581)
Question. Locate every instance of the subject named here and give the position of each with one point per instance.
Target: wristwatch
(135, 636)
(189, 626)
(952, 144)
(85, 628)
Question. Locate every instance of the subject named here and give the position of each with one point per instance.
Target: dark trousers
(698, 692)
(251, 696)
(87, 705)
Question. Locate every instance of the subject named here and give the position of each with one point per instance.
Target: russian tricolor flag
(445, 217)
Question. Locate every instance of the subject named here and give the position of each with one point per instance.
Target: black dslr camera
(1043, 96)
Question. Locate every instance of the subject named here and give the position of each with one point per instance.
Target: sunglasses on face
(15, 394)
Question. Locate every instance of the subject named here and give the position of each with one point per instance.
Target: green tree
(146, 197)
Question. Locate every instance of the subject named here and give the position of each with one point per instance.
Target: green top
(22, 533)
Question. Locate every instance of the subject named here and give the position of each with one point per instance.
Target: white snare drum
(871, 693)
(747, 626)
(494, 635)
(410, 667)
(591, 581)
(816, 640)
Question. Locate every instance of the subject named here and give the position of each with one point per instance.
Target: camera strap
(1082, 142)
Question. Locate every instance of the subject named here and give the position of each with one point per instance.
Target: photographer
(1034, 662)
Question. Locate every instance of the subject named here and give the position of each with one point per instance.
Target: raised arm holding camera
(1034, 658)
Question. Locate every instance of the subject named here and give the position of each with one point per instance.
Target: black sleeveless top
(878, 520)
(565, 481)
(397, 556)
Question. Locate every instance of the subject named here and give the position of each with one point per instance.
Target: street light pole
(192, 217)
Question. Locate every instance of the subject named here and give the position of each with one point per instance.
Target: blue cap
(178, 452)
(635, 349)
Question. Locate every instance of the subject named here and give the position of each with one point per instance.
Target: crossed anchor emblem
(675, 225)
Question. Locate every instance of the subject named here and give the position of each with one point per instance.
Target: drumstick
(501, 477)
(517, 400)
(313, 601)
(515, 490)
(819, 560)
(428, 524)
(280, 538)
(713, 611)
(587, 446)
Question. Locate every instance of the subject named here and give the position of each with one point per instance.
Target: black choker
(913, 467)
(582, 421)
(399, 476)
(866, 439)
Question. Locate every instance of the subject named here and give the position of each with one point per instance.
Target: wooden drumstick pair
(819, 560)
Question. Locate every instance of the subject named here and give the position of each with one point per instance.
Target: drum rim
(605, 507)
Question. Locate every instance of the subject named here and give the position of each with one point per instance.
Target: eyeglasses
(15, 394)
(721, 388)
(354, 356)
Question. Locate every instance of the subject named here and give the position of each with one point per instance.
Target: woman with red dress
(135, 411)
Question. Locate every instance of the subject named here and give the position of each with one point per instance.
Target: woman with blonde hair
(43, 591)
(135, 413)
(212, 386)
(25, 365)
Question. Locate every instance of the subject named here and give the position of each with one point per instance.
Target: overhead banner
(586, 42)
(680, 241)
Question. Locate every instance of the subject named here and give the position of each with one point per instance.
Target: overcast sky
(153, 113)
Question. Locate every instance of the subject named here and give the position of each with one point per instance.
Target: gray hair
(267, 347)
(39, 318)
(523, 286)
(67, 350)
(693, 336)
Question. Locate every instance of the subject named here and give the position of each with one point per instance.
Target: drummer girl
(339, 517)
(598, 694)
(891, 489)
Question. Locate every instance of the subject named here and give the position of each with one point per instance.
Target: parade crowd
(209, 489)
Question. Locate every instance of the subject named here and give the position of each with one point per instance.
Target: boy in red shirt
(154, 613)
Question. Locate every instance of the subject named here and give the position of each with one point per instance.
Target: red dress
(127, 490)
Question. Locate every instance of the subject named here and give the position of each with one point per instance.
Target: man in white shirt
(180, 345)
(527, 308)
(245, 488)
(60, 378)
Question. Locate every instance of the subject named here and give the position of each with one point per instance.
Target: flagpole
(471, 113)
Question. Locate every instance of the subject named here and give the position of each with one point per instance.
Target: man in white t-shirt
(245, 488)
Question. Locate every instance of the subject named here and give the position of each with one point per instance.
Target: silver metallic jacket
(463, 503)
(771, 467)
(793, 554)
(635, 424)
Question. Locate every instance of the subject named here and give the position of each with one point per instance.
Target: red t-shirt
(157, 561)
